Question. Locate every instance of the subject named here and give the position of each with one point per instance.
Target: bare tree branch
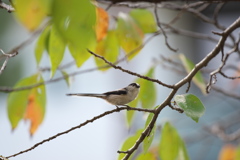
(212, 79)
(194, 8)
(6, 60)
(162, 30)
(185, 80)
(220, 133)
(82, 125)
(9, 8)
(130, 72)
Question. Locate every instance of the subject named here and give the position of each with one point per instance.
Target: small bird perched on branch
(117, 97)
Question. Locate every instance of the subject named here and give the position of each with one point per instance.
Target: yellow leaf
(102, 24)
(108, 48)
(129, 35)
(31, 12)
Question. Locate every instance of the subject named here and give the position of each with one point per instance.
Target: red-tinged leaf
(28, 104)
(36, 108)
(17, 101)
(102, 23)
(130, 36)
(31, 12)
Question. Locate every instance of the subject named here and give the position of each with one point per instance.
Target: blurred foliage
(80, 25)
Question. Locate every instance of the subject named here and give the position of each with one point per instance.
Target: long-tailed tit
(118, 97)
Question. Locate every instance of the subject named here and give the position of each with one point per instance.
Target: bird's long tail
(87, 95)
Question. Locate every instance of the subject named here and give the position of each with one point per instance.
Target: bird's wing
(117, 92)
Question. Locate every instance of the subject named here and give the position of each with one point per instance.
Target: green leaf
(75, 21)
(129, 142)
(108, 48)
(56, 49)
(198, 78)
(144, 19)
(41, 44)
(28, 104)
(147, 93)
(183, 154)
(148, 140)
(66, 77)
(146, 156)
(130, 114)
(31, 12)
(147, 96)
(79, 54)
(237, 153)
(170, 143)
(129, 35)
(17, 101)
(191, 105)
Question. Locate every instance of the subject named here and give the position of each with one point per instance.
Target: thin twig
(194, 34)
(9, 8)
(185, 80)
(80, 126)
(130, 72)
(162, 30)
(176, 108)
(6, 60)
(220, 133)
(10, 89)
(227, 93)
(188, 87)
(28, 41)
(219, 69)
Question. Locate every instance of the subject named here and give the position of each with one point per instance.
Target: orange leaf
(102, 23)
(27, 104)
(35, 109)
(33, 113)
(228, 152)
